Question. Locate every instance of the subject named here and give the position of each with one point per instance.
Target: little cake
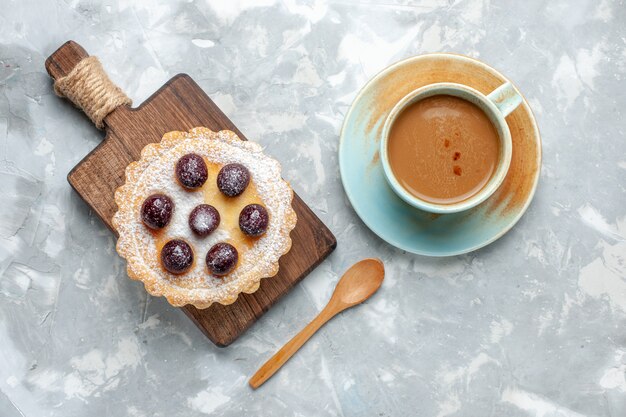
(202, 217)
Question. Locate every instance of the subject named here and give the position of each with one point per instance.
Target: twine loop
(89, 88)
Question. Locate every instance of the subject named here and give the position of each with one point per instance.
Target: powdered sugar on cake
(154, 173)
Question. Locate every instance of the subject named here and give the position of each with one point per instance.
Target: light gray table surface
(532, 325)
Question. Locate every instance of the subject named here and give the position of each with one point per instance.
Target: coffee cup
(495, 106)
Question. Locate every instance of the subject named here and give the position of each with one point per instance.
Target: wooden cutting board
(181, 105)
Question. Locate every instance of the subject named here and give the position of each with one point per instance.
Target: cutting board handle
(63, 61)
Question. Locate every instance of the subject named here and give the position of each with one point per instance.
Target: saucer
(395, 221)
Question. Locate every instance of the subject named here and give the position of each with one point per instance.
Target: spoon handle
(274, 363)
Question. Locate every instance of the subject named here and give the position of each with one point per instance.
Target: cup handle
(506, 98)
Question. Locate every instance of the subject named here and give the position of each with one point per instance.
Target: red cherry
(177, 256)
(222, 258)
(204, 219)
(253, 220)
(191, 171)
(233, 179)
(156, 211)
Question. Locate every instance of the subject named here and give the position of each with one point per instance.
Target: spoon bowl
(359, 282)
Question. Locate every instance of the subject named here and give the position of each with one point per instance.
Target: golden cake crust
(154, 173)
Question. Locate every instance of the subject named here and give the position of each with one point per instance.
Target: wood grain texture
(181, 105)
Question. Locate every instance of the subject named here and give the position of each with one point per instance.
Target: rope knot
(89, 88)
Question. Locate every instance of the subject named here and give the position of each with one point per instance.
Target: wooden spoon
(355, 286)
